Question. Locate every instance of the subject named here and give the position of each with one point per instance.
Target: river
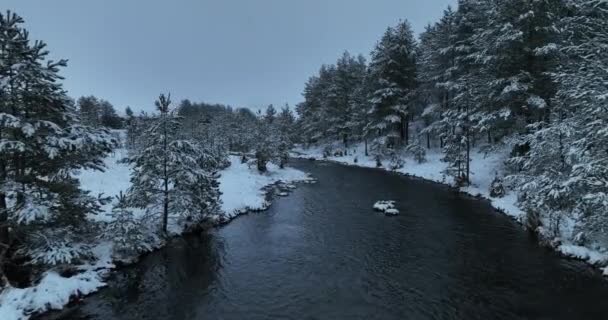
(323, 253)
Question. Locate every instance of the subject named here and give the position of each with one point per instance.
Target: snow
(52, 293)
(241, 188)
(386, 206)
(115, 179)
(241, 185)
(583, 253)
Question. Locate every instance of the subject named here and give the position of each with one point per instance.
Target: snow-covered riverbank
(241, 189)
(483, 170)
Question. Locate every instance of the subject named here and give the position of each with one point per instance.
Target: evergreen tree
(518, 56)
(88, 107)
(42, 142)
(108, 116)
(393, 72)
(172, 176)
(563, 171)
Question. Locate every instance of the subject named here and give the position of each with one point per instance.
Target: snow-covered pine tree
(108, 116)
(359, 106)
(246, 123)
(88, 108)
(465, 88)
(267, 140)
(346, 78)
(42, 209)
(518, 53)
(563, 173)
(393, 74)
(441, 67)
(583, 88)
(130, 235)
(172, 176)
(285, 124)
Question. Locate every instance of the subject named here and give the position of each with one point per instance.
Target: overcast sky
(246, 53)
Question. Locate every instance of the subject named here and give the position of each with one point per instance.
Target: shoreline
(55, 293)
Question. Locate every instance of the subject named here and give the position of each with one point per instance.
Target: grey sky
(246, 53)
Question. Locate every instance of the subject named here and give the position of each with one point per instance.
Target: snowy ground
(483, 169)
(241, 191)
(241, 186)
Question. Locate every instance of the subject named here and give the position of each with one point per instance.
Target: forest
(527, 80)
(523, 77)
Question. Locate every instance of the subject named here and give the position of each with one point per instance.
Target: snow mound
(386, 206)
(52, 293)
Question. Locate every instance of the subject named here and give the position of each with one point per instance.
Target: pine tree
(88, 107)
(172, 176)
(346, 77)
(393, 72)
(284, 128)
(519, 57)
(42, 142)
(267, 141)
(563, 171)
(108, 116)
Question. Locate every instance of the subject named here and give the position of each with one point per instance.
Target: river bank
(243, 190)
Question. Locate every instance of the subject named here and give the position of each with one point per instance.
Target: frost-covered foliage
(57, 247)
(565, 171)
(131, 235)
(497, 188)
(334, 106)
(272, 138)
(393, 83)
(96, 112)
(42, 141)
(417, 151)
(171, 175)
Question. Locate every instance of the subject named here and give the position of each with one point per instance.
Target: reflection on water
(323, 253)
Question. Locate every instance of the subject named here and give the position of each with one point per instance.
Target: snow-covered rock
(386, 206)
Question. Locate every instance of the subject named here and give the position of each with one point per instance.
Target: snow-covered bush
(327, 151)
(396, 161)
(54, 247)
(497, 189)
(131, 235)
(417, 151)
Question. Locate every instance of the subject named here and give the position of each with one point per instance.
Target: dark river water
(323, 253)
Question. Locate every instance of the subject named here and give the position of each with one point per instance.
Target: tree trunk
(165, 178)
(407, 130)
(468, 164)
(166, 206)
(428, 140)
(402, 129)
(4, 229)
(366, 153)
(345, 140)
